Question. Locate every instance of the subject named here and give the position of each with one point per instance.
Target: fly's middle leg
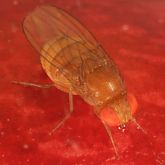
(67, 115)
(29, 84)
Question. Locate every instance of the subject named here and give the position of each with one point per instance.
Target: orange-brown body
(73, 59)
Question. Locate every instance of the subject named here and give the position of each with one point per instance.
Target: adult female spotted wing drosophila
(78, 65)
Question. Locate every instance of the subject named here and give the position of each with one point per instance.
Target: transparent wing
(48, 22)
(71, 48)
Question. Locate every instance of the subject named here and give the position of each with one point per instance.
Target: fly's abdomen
(55, 60)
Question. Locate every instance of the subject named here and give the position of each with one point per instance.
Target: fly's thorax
(104, 84)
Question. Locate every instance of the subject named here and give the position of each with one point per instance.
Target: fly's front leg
(28, 84)
(109, 134)
(67, 115)
(111, 137)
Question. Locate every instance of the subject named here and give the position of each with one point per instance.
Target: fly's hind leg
(67, 115)
(48, 86)
(29, 84)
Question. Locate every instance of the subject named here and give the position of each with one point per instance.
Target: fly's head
(119, 111)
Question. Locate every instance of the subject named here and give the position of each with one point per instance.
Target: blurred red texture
(132, 32)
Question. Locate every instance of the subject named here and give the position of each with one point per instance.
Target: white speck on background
(25, 146)
(125, 27)
(15, 2)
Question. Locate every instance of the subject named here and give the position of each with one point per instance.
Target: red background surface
(133, 32)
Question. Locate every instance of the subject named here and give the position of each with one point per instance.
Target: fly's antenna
(138, 125)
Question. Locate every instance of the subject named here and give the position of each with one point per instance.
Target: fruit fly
(77, 64)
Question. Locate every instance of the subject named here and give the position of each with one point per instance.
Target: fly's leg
(109, 134)
(111, 137)
(68, 114)
(33, 85)
(48, 86)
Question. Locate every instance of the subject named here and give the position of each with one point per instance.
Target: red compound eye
(109, 115)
